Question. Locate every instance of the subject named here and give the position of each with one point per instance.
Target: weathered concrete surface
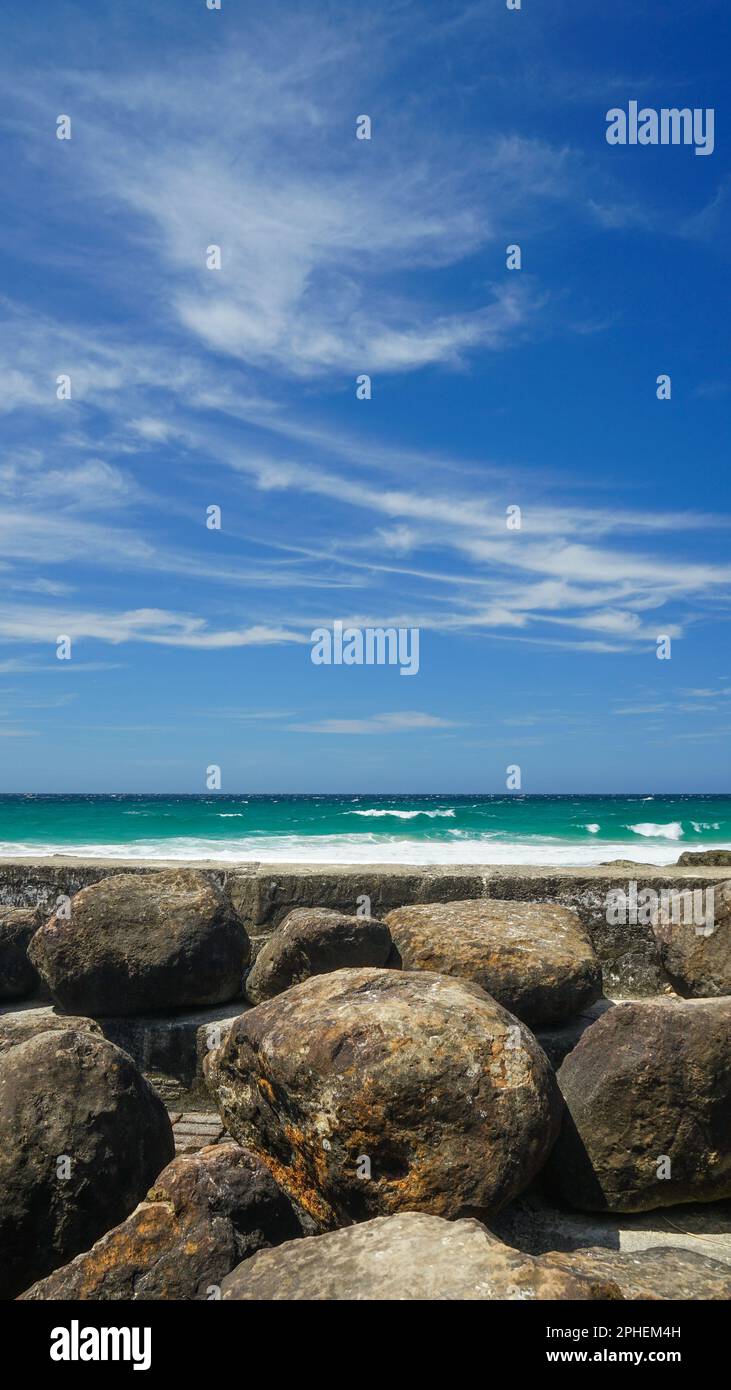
(197, 1129)
(264, 894)
(168, 1048)
(537, 1225)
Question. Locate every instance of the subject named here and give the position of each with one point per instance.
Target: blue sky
(236, 388)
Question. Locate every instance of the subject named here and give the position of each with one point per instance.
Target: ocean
(508, 829)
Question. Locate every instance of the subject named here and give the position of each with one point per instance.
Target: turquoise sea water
(356, 829)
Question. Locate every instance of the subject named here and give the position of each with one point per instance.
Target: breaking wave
(403, 815)
(673, 830)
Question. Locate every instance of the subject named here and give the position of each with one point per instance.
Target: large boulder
(536, 959)
(141, 943)
(18, 977)
(18, 1028)
(716, 858)
(695, 953)
(206, 1213)
(374, 1091)
(82, 1137)
(648, 1108)
(406, 1257)
(314, 941)
(662, 1272)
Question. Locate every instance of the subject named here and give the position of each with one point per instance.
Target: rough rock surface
(137, 943)
(314, 941)
(659, 1273)
(82, 1137)
(558, 1041)
(717, 857)
(18, 977)
(697, 958)
(650, 1082)
(536, 959)
(19, 1028)
(405, 1257)
(374, 1091)
(206, 1213)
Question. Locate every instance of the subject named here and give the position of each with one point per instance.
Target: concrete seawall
(264, 893)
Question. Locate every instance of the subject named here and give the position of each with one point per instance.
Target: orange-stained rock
(376, 1091)
(206, 1212)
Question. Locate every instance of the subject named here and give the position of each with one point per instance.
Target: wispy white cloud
(325, 241)
(152, 625)
(403, 722)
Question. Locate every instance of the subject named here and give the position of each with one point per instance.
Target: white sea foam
(699, 825)
(593, 828)
(403, 815)
(359, 849)
(671, 830)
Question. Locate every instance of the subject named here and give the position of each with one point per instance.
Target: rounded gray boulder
(82, 1137)
(314, 941)
(143, 943)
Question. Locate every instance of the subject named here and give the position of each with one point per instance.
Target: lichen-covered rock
(410, 1256)
(536, 959)
(206, 1213)
(18, 977)
(374, 1091)
(695, 953)
(714, 857)
(20, 1027)
(82, 1137)
(141, 943)
(648, 1108)
(314, 941)
(662, 1272)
